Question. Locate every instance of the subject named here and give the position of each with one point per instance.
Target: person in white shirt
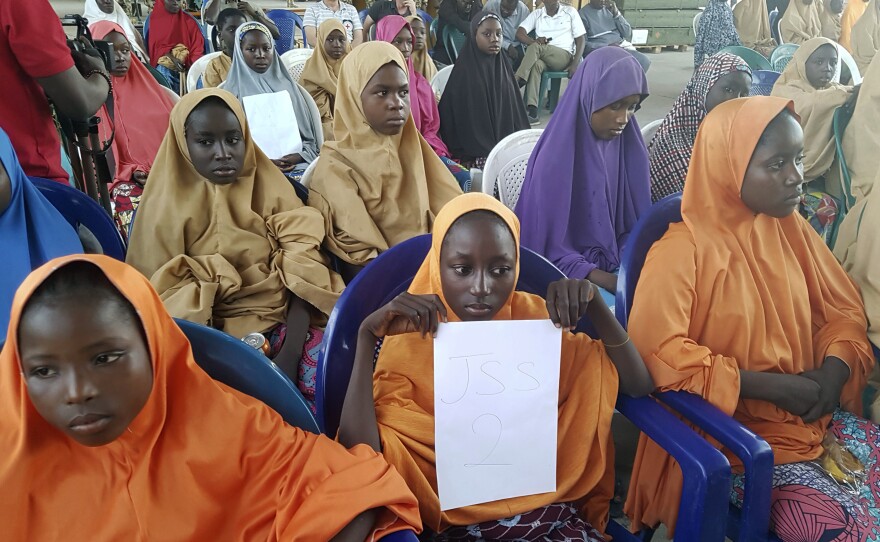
(559, 45)
(329, 9)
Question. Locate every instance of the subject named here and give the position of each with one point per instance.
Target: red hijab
(169, 29)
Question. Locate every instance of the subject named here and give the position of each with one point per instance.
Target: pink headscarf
(421, 96)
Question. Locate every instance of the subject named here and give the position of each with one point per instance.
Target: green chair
(781, 56)
(842, 116)
(754, 59)
(551, 81)
(454, 40)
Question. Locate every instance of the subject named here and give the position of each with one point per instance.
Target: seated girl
(743, 304)
(481, 104)
(422, 61)
(720, 78)
(715, 31)
(141, 109)
(111, 11)
(807, 81)
(257, 71)
(379, 183)
(423, 104)
(321, 72)
(218, 68)
(176, 41)
(752, 20)
(34, 232)
(588, 178)
(800, 23)
(101, 389)
(474, 260)
(225, 240)
(866, 37)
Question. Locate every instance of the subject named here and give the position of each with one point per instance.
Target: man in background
(605, 26)
(512, 13)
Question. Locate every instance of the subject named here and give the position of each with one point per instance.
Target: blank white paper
(273, 123)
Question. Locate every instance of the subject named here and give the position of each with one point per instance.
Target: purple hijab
(583, 195)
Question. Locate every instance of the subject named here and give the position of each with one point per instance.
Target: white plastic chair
(438, 83)
(846, 58)
(197, 70)
(173, 95)
(649, 130)
(306, 178)
(697, 18)
(295, 61)
(506, 165)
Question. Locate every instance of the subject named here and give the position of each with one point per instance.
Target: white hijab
(94, 14)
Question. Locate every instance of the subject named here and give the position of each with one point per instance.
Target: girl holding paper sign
(277, 109)
(470, 275)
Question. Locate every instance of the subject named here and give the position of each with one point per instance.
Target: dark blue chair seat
(762, 82)
(706, 470)
(287, 23)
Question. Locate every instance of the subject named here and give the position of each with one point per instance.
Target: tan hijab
(320, 75)
(800, 22)
(851, 13)
(227, 256)
(422, 61)
(814, 106)
(753, 23)
(375, 190)
(866, 37)
(830, 21)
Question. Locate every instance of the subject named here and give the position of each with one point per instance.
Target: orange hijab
(200, 462)
(851, 13)
(403, 389)
(772, 281)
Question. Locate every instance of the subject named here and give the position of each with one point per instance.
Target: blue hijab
(33, 232)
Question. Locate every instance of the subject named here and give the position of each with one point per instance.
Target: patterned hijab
(717, 30)
(670, 150)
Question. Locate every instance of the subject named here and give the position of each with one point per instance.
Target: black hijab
(481, 104)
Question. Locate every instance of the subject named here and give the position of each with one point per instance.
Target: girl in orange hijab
(469, 275)
(743, 304)
(113, 432)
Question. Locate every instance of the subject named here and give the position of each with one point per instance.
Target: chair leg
(545, 81)
(555, 87)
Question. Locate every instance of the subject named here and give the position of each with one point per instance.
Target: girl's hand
(567, 301)
(831, 378)
(407, 313)
(796, 394)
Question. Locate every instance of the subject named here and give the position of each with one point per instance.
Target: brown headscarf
(725, 268)
(753, 23)
(830, 21)
(228, 255)
(800, 22)
(375, 190)
(320, 74)
(814, 106)
(422, 61)
(217, 71)
(403, 388)
(866, 37)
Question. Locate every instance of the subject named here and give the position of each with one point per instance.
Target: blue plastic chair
(287, 23)
(752, 523)
(232, 362)
(79, 209)
(706, 470)
(762, 82)
(774, 25)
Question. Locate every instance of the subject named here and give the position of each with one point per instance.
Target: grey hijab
(243, 81)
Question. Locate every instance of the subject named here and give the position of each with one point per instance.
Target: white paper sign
(640, 36)
(273, 124)
(496, 398)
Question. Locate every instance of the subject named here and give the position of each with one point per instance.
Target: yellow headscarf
(753, 23)
(800, 22)
(375, 190)
(228, 255)
(422, 61)
(866, 37)
(320, 74)
(403, 388)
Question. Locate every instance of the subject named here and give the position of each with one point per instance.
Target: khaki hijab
(375, 190)
(815, 107)
(228, 256)
(866, 37)
(800, 22)
(830, 21)
(422, 61)
(321, 73)
(753, 23)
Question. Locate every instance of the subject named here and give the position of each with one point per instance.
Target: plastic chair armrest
(705, 470)
(754, 452)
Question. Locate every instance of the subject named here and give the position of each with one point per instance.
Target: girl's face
(215, 142)
(227, 32)
(419, 33)
(821, 66)
(86, 366)
(489, 37)
(729, 86)
(609, 122)
(404, 42)
(256, 47)
(773, 182)
(477, 266)
(121, 52)
(335, 45)
(106, 6)
(385, 100)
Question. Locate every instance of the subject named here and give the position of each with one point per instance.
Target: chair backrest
(762, 82)
(774, 25)
(171, 94)
(754, 59)
(842, 116)
(438, 83)
(781, 56)
(506, 165)
(79, 209)
(287, 23)
(306, 178)
(316, 114)
(197, 70)
(697, 18)
(649, 130)
(647, 231)
(383, 279)
(847, 60)
(295, 62)
(453, 39)
(232, 362)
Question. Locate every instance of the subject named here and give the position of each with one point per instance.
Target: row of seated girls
(223, 240)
